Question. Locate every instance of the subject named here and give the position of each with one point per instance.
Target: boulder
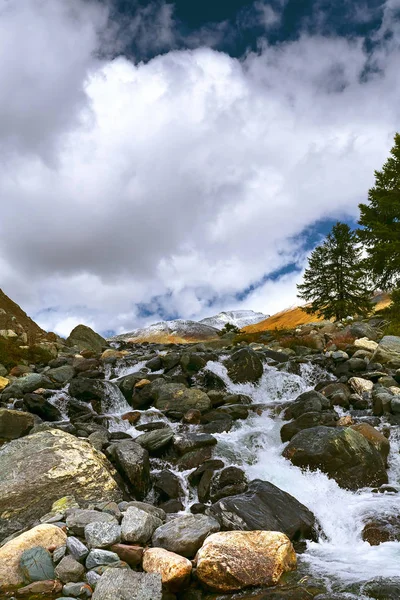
(307, 402)
(14, 424)
(86, 339)
(40, 468)
(4, 382)
(343, 454)
(175, 396)
(375, 438)
(380, 529)
(36, 564)
(45, 536)
(61, 375)
(234, 560)
(155, 441)
(265, 507)
(40, 589)
(98, 558)
(184, 535)
(307, 420)
(132, 555)
(70, 570)
(244, 365)
(167, 485)
(134, 465)
(138, 526)
(388, 351)
(102, 535)
(104, 396)
(365, 344)
(121, 584)
(78, 519)
(360, 385)
(175, 570)
(38, 405)
(27, 384)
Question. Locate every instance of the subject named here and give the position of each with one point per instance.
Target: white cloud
(186, 178)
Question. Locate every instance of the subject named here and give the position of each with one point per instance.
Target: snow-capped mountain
(179, 331)
(240, 318)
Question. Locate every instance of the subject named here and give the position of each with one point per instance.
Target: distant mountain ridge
(179, 331)
(239, 318)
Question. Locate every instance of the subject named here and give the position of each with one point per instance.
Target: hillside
(239, 318)
(180, 331)
(13, 318)
(294, 317)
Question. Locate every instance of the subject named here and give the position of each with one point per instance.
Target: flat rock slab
(121, 584)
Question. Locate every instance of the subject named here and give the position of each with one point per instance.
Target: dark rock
(265, 507)
(244, 365)
(61, 375)
(306, 421)
(215, 421)
(382, 529)
(343, 454)
(38, 405)
(133, 463)
(305, 403)
(156, 440)
(27, 384)
(383, 589)
(97, 558)
(14, 424)
(213, 465)
(192, 441)
(86, 339)
(195, 458)
(174, 396)
(172, 506)
(167, 485)
(154, 364)
(70, 570)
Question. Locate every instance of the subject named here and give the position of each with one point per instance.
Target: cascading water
(254, 445)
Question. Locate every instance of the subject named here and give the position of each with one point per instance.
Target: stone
(36, 564)
(307, 402)
(77, 549)
(193, 441)
(77, 590)
(97, 558)
(138, 526)
(244, 365)
(120, 584)
(167, 485)
(360, 385)
(388, 351)
(133, 462)
(70, 570)
(39, 468)
(40, 589)
(382, 588)
(374, 437)
(307, 420)
(102, 395)
(175, 570)
(132, 555)
(380, 529)
(266, 507)
(43, 535)
(184, 535)
(14, 424)
(61, 375)
(38, 405)
(79, 518)
(59, 553)
(92, 578)
(365, 344)
(343, 454)
(149, 508)
(4, 382)
(194, 459)
(234, 560)
(154, 441)
(26, 384)
(102, 535)
(172, 396)
(86, 339)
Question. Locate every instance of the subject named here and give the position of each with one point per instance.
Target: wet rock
(234, 560)
(306, 421)
(212, 465)
(14, 424)
(192, 417)
(167, 485)
(175, 570)
(78, 519)
(138, 526)
(77, 590)
(215, 421)
(132, 555)
(343, 454)
(375, 438)
(195, 458)
(382, 589)
(192, 362)
(305, 403)
(192, 441)
(86, 339)
(133, 463)
(26, 384)
(265, 507)
(37, 469)
(97, 392)
(157, 440)
(36, 564)
(61, 375)
(38, 405)
(244, 365)
(70, 570)
(382, 529)
(43, 535)
(229, 482)
(97, 558)
(102, 535)
(184, 535)
(175, 396)
(117, 584)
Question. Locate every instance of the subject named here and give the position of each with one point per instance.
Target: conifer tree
(335, 281)
(380, 221)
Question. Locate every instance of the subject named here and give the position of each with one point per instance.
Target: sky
(170, 160)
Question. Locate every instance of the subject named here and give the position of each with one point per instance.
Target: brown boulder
(175, 570)
(234, 560)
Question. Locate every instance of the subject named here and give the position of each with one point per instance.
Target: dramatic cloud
(174, 185)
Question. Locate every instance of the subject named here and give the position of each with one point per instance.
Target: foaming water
(255, 445)
(60, 400)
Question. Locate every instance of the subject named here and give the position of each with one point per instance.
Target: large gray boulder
(343, 454)
(265, 507)
(185, 535)
(388, 351)
(27, 384)
(38, 469)
(244, 365)
(122, 584)
(86, 339)
(138, 526)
